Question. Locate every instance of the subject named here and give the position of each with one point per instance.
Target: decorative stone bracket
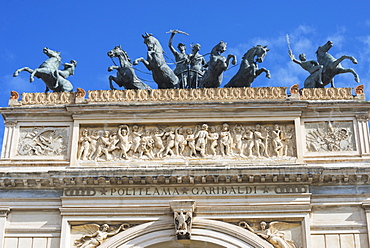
(183, 217)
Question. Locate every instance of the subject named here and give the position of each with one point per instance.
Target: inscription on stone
(187, 191)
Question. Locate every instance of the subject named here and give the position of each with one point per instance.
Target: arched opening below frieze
(205, 233)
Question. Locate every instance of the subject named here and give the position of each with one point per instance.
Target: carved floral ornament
(191, 141)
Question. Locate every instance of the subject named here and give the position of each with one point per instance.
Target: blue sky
(86, 30)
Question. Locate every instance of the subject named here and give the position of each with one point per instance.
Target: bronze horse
(49, 73)
(155, 62)
(126, 76)
(217, 64)
(248, 70)
(332, 66)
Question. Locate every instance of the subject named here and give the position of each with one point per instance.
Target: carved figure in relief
(180, 141)
(225, 140)
(113, 141)
(85, 141)
(190, 138)
(237, 139)
(124, 142)
(155, 62)
(146, 145)
(217, 64)
(259, 141)
(170, 134)
(158, 143)
(182, 60)
(277, 144)
(94, 137)
(273, 234)
(183, 223)
(103, 143)
(288, 142)
(201, 140)
(248, 137)
(97, 235)
(136, 138)
(213, 138)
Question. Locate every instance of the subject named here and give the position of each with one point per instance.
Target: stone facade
(230, 167)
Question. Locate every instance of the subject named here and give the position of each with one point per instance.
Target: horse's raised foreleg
(263, 69)
(111, 68)
(33, 75)
(22, 69)
(338, 61)
(350, 70)
(145, 62)
(230, 56)
(112, 78)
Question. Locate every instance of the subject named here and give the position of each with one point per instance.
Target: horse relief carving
(43, 141)
(192, 141)
(329, 137)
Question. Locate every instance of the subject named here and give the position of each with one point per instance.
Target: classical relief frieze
(207, 94)
(272, 232)
(329, 136)
(42, 141)
(94, 235)
(192, 141)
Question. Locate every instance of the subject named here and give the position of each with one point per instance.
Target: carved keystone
(183, 218)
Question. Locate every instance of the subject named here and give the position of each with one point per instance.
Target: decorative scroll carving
(157, 142)
(94, 235)
(81, 93)
(359, 90)
(294, 89)
(327, 94)
(48, 98)
(209, 94)
(43, 141)
(329, 136)
(14, 95)
(363, 118)
(273, 234)
(183, 223)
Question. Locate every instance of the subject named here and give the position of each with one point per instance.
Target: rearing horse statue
(49, 73)
(155, 62)
(126, 76)
(248, 70)
(217, 64)
(332, 66)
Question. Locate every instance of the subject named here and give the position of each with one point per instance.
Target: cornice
(257, 175)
